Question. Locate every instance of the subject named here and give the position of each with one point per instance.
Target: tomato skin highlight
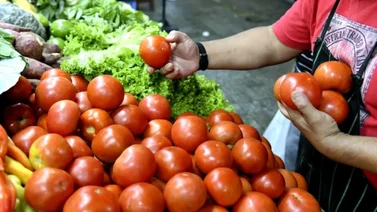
(155, 50)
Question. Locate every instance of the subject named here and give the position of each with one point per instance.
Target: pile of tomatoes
(95, 148)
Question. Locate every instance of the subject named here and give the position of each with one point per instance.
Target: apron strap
(329, 18)
(366, 61)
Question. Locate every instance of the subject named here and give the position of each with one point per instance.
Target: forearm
(252, 49)
(356, 151)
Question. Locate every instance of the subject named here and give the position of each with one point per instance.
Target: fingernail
(296, 95)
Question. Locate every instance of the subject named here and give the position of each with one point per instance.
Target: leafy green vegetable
(7, 36)
(6, 48)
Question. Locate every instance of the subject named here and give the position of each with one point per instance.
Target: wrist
(203, 57)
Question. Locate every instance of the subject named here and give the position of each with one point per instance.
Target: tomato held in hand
(224, 186)
(142, 197)
(255, 201)
(226, 132)
(79, 82)
(63, 117)
(269, 182)
(155, 50)
(217, 116)
(158, 127)
(277, 87)
(302, 82)
(86, 171)
(26, 137)
(132, 117)
(79, 147)
(20, 92)
(334, 75)
(18, 117)
(298, 200)
(185, 192)
(156, 106)
(334, 104)
(250, 156)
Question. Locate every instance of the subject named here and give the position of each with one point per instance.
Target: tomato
(80, 83)
(155, 50)
(269, 182)
(83, 101)
(255, 201)
(265, 141)
(117, 190)
(224, 186)
(34, 105)
(290, 180)
(19, 92)
(212, 208)
(156, 106)
(302, 82)
(55, 72)
(54, 89)
(195, 168)
(334, 104)
(25, 138)
(246, 186)
(158, 127)
(226, 132)
(212, 154)
(92, 198)
(132, 117)
(92, 121)
(85, 171)
(301, 181)
(236, 117)
(138, 161)
(158, 183)
(105, 92)
(47, 189)
(171, 161)
(298, 200)
(142, 197)
(219, 115)
(334, 75)
(129, 99)
(63, 117)
(249, 131)
(186, 114)
(188, 132)
(156, 143)
(250, 156)
(106, 179)
(270, 157)
(185, 192)
(280, 162)
(277, 87)
(110, 142)
(17, 117)
(50, 150)
(42, 121)
(79, 147)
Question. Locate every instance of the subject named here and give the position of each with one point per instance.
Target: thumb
(176, 37)
(303, 104)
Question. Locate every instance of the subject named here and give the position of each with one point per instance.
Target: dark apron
(337, 187)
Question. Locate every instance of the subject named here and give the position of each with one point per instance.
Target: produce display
(78, 145)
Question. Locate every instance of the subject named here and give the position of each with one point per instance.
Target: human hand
(317, 126)
(184, 60)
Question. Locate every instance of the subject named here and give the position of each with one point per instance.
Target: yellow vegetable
(24, 4)
(16, 168)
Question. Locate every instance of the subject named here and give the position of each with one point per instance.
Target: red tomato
(79, 147)
(250, 156)
(280, 162)
(195, 169)
(129, 99)
(270, 158)
(42, 122)
(92, 198)
(54, 89)
(110, 142)
(185, 192)
(48, 189)
(50, 150)
(156, 106)
(290, 180)
(137, 160)
(265, 141)
(26, 137)
(186, 114)
(117, 190)
(92, 121)
(155, 50)
(249, 131)
(63, 117)
(188, 132)
(158, 183)
(79, 82)
(301, 181)
(334, 75)
(18, 117)
(105, 92)
(277, 87)
(334, 104)
(142, 197)
(246, 186)
(83, 101)
(237, 118)
(269, 182)
(106, 179)
(255, 201)
(158, 127)
(55, 72)
(211, 155)
(224, 186)
(132, 117)
(212, 208)
(219, 115)
(34, 105)
(86, 171)
(226, 132)
(298, 200)
(171, 161)
(156, 143)
(20, 92)
(302, 82)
